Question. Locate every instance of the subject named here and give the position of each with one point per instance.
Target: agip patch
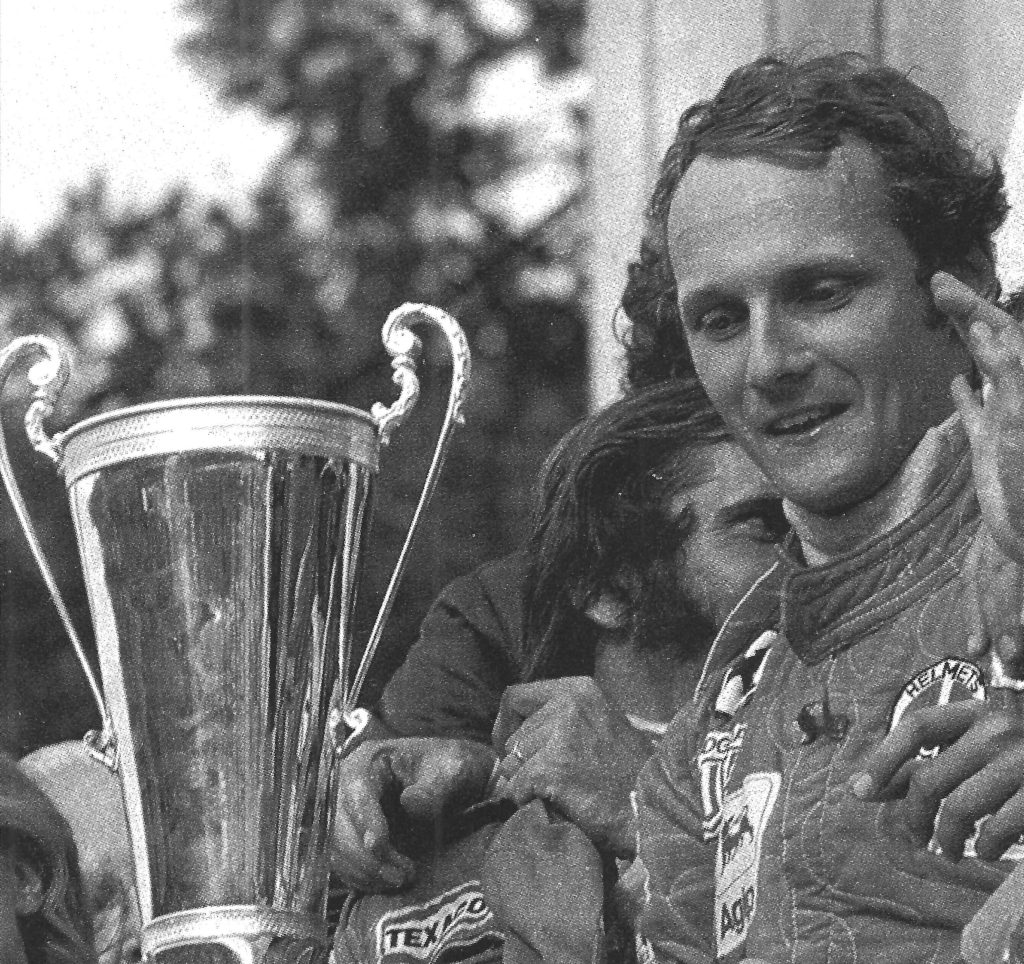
(744, 818)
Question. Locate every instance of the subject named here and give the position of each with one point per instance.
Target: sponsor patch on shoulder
(453, 926)
(743, 675)
(745, 814)
(716, 760)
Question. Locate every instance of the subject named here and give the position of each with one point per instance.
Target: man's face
(807, 323)
(737, 520)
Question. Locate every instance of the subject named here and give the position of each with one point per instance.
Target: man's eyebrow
(821, 268)
(703, 296)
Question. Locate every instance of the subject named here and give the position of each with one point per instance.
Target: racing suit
(750, 841)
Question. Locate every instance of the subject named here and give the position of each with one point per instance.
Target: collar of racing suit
(826, 607)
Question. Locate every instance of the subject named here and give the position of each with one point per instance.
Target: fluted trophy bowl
(221, 541)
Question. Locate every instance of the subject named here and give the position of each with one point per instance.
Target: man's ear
(607, 611)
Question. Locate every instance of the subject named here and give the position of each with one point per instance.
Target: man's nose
(780, 356)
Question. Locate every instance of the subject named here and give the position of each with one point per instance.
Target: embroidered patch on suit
(715, 763)
(743, 675)
(947, 681)
(745, 814)
(458, 918)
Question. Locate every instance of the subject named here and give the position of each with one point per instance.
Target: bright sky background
(95, 85)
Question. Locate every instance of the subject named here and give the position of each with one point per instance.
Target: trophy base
(236, 935)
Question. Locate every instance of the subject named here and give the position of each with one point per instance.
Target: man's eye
(768, 525)
(828, 292)
(722, 322)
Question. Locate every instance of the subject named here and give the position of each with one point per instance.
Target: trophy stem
(49, 377)
(402, 344)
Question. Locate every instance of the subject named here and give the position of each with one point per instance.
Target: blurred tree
(436, 154)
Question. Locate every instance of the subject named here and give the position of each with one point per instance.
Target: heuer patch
(947, 681)
(716, 760)
(458, 919)
(745, 814)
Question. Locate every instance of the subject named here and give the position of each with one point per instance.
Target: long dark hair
(59, 932)
(601, 525)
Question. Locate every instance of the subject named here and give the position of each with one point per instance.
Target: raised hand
(561, 740)
(994, 420)
(425, 777)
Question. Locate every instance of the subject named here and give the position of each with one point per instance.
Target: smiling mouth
(804, 422)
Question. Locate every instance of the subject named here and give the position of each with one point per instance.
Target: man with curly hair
(819, 254)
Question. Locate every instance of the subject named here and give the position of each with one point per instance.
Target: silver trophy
(221, 542)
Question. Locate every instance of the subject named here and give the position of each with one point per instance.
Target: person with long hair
(650, 526)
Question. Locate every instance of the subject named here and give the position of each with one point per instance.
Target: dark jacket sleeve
(676, 865)
(470, 647)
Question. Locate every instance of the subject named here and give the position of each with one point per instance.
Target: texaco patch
(430, 932)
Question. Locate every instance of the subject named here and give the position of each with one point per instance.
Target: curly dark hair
(601, 524)
(945, 199)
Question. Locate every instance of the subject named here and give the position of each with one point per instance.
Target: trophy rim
(215, 401)
(218, 423)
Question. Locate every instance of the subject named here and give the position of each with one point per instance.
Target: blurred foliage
(436, 154)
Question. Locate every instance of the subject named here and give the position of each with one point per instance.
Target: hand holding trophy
(221, 541)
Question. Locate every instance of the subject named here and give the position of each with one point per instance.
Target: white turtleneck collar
(931, 461)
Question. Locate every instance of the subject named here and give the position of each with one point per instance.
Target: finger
(535, 733)
(994, 338)
(977, 639)
(1010, 651)
(362, 851)
(969, 407)
(963, 305)
(899, 784)
(1000, 596)
(512, 761)
(521, 701)
(999, 362)
(923, 728)
(448, 778)
(945, 781)
(976, 800)
(531, 782)
(370, 868)
(1003, 829)
(974, 776)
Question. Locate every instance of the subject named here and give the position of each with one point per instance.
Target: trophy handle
(405, 347)
(49, 375)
